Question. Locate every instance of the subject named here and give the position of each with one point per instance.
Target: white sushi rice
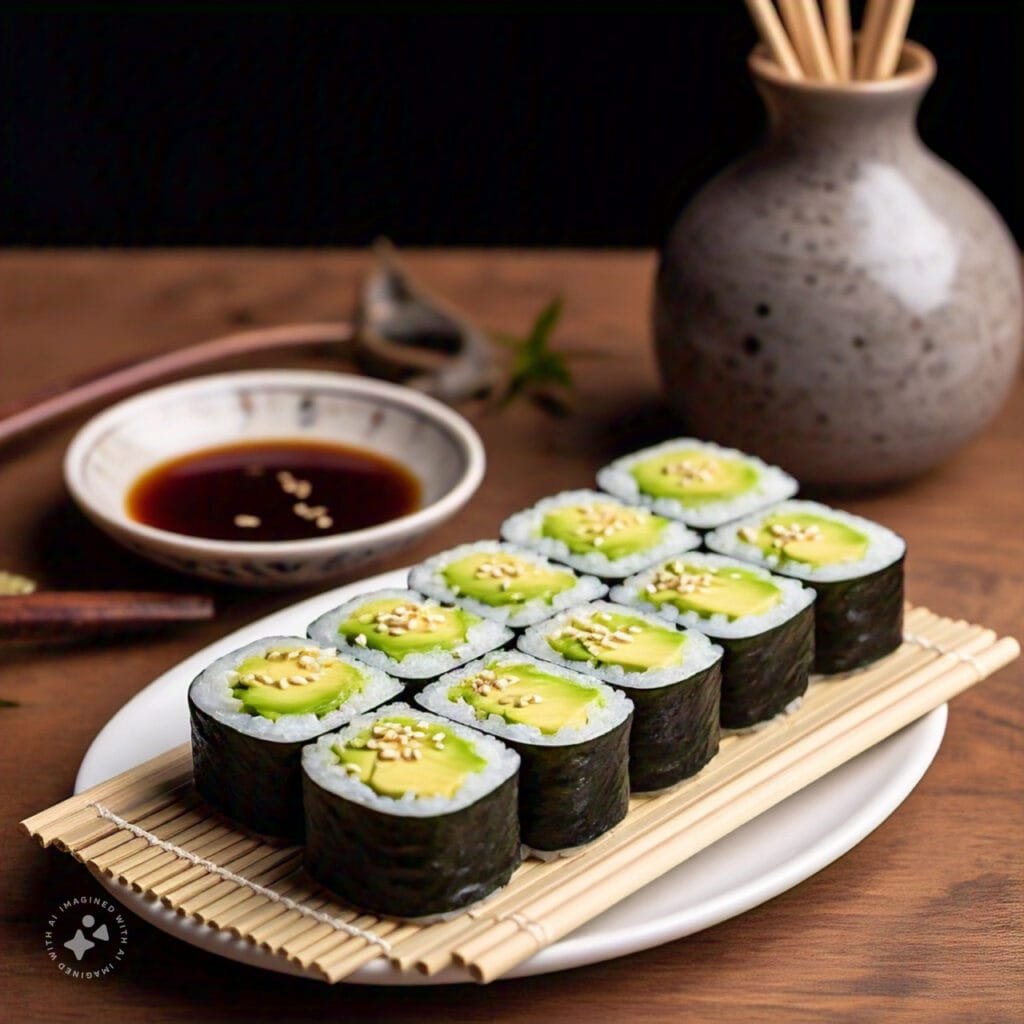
(884, 546)
(429, 579)
(481, 637)
(526, 529)
(795, 598)
(322, 765)
(600, 719)
(773, 484)
(699, 653)
(211, 691)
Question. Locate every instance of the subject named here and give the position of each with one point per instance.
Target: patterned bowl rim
(454, 426)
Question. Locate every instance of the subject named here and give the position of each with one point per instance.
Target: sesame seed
(324, 522)
(360, 640)
(247, 522)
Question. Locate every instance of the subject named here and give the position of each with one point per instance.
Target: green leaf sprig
(538, 373)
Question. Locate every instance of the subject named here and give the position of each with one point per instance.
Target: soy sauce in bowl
(273, 491)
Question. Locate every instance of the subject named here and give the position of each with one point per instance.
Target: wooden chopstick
(890, 44)
(803, 21)
(774, 37)
(837, 20)
(795, 35)
(875, 16)
(69, 614)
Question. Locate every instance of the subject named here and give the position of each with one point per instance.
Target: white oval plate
(765, 857)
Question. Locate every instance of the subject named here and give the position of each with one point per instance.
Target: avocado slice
(295, 681)
(722, 590)
(615, 531)
(502, 578)
(694, 477)
(808, 538)
(613, 638)
(524, 694)
(402, 626)
(398, 755)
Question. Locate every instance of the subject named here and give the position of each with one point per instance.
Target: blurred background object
(272, 124)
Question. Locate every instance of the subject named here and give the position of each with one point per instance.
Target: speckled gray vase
(841, 302)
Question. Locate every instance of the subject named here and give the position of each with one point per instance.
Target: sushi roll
(410, 815)
(764, 624)
(503, 582)
(595, 533)
(253, 710)
(410, 636)
(672, 676)
(696, 482)
(854, 565)
(571, 733)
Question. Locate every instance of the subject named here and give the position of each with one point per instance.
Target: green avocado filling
(612, 638)
(399, 755)
(808, 538)
(727, 590)
(694, 477)
(524, 694)
(614, 531)
(500, 578)
(401, 626)
(295, 681)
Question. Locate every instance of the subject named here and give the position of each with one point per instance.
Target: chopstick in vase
(774, 36)
(804, 50)
(890, 44)
(837, 21)
(803, 21)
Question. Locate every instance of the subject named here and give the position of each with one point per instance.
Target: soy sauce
(273, 490)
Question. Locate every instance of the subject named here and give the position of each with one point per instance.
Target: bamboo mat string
(929, 645)
(216, 869)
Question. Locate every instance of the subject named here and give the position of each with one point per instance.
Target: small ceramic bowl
(116, 447)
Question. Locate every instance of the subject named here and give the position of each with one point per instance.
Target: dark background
(247, 124)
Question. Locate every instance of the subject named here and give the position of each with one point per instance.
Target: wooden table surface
(922, 921)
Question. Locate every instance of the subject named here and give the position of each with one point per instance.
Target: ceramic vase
(841, 301)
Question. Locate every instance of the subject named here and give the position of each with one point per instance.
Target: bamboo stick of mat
(265, 897)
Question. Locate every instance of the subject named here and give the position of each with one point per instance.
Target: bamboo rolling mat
(147, 828)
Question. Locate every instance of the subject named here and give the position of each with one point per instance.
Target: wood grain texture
(920, 922)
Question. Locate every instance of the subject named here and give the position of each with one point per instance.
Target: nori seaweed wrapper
(255, 781)
(570, 795)
(406, 866)
(675, 729)
(857, 621)
(762, 674)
